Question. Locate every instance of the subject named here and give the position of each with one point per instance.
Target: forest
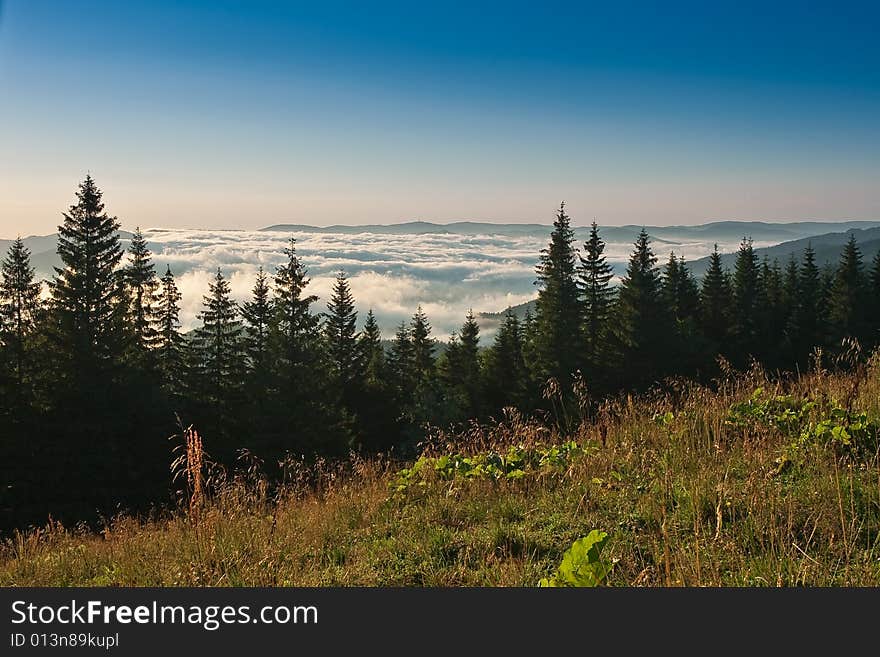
(98, 383)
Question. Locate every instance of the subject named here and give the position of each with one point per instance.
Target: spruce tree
(848, 300)
(88, 297)
(307, 412)
(506, 379)
(680, 289)
(745, 303)
(170, 343)
(771, 315)
(371, 352)
(400, 362)
(142, 284)
(462, 369)
(257, 316)
(807, 318)
(682, 297)
(340, 330)
(643, 328)
(294, 325)
(715, 305)
(19, 306)
(423, 345)
(374, 404)
(597, 295)
(558, 314)
(218, 342)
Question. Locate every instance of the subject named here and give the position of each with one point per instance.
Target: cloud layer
(393, 274)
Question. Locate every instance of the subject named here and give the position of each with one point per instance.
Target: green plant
(582, 565)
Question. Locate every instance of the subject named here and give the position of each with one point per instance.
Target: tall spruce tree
(294, 325)
(19, 307)
(142, 284)
(807, 323)
(371, 352)
(715, 305)
(680, 289)
(375, 403)
(505, 375)
(257, 316)
(461, 371)
(423, 346)
(340, 330)
(597, 295)
(88, 297)
(307, 421)
(400, 362)
(643, 327)
(848, 301)
(170, 343)
(682, 297)
(558, 314)
(771, 315)
(218, 342)
(746, 294)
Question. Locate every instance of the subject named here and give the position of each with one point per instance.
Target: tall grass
(687, 497)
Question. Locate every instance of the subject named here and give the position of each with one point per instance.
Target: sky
(247, 114)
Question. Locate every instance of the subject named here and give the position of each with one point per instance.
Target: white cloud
(392, 274)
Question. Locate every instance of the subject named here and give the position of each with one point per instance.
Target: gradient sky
(244, 114)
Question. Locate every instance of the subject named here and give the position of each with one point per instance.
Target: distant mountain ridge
(719, 230)
(827, 247)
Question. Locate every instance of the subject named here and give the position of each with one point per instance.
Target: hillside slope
(746, 486)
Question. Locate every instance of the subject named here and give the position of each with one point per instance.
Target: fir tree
(771, 315)
(295, 327)
(400, 361)
(374, 405)
(88, 298)
(745, 302)
(462, 369)
(558, 315)
(257, 316)
(680, 289)
(806, 322)
(505, 371)
(848, 298)
(371, 352)
(715, 304)
(19, 306)
(682, 298)
(642, 321)
(218, 341)
(170, 343)
(423, 345)
(142, 284)
(302, 369)
(340, 329)
(594, 280)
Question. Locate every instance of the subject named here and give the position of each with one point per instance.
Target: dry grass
(690, 501)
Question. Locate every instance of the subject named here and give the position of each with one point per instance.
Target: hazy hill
(43, 248)
(827, 248)
(759, 231)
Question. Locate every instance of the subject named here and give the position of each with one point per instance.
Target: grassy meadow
(746, 483)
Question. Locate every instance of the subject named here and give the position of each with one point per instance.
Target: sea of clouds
(393, 274)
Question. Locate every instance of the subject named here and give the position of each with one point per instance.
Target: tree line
(95, 373)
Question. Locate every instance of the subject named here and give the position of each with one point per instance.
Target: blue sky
(245, 114)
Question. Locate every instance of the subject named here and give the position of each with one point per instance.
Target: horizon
(193, 114)
(287, 226)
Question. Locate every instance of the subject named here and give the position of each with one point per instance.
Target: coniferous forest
(98, 382)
